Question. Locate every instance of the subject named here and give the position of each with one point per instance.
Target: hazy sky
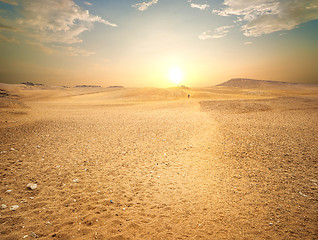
(136, 43)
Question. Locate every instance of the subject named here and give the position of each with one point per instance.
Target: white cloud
(7, 39)
(266, 16)
(60, 21)
(219, 32)
(200, 6)
(88, 3)
(4, 26)
(144, 5)
(60, 50)
(12, 2)
(52, 25)
(206, 35)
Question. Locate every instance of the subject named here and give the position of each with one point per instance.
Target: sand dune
(265, 84)
(154, 164)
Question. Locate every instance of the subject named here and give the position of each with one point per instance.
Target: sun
(176, 75)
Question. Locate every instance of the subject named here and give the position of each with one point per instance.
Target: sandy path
(161, 170)
(142, 157)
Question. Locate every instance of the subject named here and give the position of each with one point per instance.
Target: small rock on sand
(3, 206)
(8, 191)
(14, 207)
(34, 235)
(75, 180)
(32, 186)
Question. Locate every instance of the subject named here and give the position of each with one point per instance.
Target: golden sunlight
(176, 75)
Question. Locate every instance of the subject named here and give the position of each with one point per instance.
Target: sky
(135, 43)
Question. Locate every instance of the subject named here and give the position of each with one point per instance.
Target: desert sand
(147, 163)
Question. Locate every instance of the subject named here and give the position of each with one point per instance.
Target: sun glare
(176, 75)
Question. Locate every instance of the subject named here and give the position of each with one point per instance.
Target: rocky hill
(253, 83)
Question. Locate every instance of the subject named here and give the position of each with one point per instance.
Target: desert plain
(230, 162)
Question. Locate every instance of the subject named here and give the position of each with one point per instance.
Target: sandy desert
(230, 162)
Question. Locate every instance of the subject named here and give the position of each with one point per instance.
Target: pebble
(75, 180)
(25, 236)
(12, 149)
(3, 206)
(14, 207)
(8, 191)
(34, 235)
(301, 194)
(32, 186)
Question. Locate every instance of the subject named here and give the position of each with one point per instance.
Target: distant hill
(115, 87)
(253, 83)
(32, 84)
(87, 86)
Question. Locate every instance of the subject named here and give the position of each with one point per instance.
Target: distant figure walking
(188, 95)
